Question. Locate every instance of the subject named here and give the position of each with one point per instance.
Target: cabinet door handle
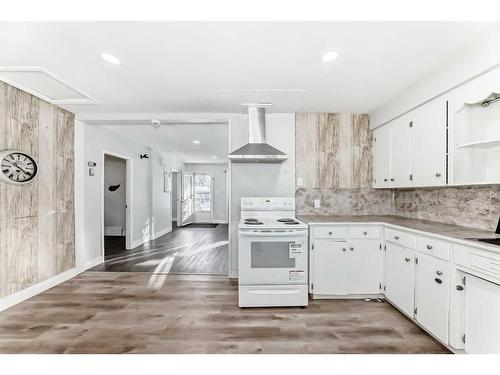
(344, 249)
(365, 232)
(439, 281)
(330, 233)
(439, 273)
(429, 247)
(407, 259)
(396, 237)
(351, 248)
(385, 179)
(459, 288)
(392, 179)
(438, 174)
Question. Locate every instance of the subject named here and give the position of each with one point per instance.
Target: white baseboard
(233, 273)
(162, 232)
(23, 295)
(91, 263)
(138, 243)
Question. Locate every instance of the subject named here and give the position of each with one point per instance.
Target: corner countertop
(447, 230)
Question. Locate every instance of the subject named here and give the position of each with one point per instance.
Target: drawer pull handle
(429, 247)
(439, 281)
(385, 179)
(351, 248)
(365, 232)
(407, 259)
(459, 288)
(438, 174)
(330, 233)
(344, 249)
(396, 237)
(439, 273)
(392, 179)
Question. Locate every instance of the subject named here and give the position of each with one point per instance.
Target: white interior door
(187, 198)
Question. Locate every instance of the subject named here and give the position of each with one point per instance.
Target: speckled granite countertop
(448, 230)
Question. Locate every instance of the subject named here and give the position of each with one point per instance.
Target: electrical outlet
(317, 203)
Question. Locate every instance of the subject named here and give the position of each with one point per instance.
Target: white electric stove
(272, 254)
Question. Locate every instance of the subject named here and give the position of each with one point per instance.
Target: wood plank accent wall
(37, 239)
(333, 150)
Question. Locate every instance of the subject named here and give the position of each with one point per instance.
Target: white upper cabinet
(400, 152)
(382, 157)
(428, 144)
(411, 150)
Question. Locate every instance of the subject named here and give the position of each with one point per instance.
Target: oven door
(272, 257)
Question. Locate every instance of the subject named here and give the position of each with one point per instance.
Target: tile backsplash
(471, 206)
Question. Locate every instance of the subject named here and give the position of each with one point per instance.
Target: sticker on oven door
(296, 275)
(295, 250)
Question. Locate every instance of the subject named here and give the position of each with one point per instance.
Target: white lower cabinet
(346, 268)
(432, 282)
(399, 277)
(329, 267)
(364, 267)
(482, 316)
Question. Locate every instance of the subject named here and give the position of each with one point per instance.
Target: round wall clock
(17, 167)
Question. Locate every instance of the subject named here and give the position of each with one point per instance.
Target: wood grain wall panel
(361, 151)
(333, 150)
(36, 219)
(22, 254)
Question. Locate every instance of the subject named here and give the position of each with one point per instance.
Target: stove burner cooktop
(285, 220)
(291, 222)
(253, 222)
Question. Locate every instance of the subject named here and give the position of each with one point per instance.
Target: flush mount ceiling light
(214, 157)
(196, 142)
(110, 58)
(329, 56)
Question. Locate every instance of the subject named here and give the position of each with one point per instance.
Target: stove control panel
(267, 204)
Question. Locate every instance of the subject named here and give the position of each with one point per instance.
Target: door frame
(128, 200)
(178, 186)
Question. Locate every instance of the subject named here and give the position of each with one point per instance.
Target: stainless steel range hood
(257, 150)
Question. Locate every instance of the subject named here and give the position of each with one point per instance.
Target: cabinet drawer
(431, 246)
(334, 232)
(364, 231)
(401, 238)
(480, 260)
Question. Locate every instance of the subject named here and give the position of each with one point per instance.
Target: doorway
(203, 197)
(115, 195)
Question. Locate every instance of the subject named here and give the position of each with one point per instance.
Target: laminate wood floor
(114, 312)
(194, 249)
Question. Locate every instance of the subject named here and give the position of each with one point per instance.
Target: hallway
(193, 249)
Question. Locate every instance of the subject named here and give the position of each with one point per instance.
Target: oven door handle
(272, 234)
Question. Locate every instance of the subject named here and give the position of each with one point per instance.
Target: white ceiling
(214, 67)
(177, 140)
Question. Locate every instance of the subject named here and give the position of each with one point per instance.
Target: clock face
(17, 167)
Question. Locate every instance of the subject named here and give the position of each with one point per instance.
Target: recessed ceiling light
(110, 58)
(329, 56)
(196, 142)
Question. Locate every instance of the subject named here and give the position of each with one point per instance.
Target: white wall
(96, 141)
(260, 180)
(219, 188)
(473, 60)
(115, 201)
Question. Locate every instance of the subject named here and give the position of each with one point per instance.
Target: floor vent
(43, 85)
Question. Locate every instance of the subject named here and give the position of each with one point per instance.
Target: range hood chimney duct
(257, 150)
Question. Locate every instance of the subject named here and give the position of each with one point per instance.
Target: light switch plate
(317, 203)
(299, 181)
